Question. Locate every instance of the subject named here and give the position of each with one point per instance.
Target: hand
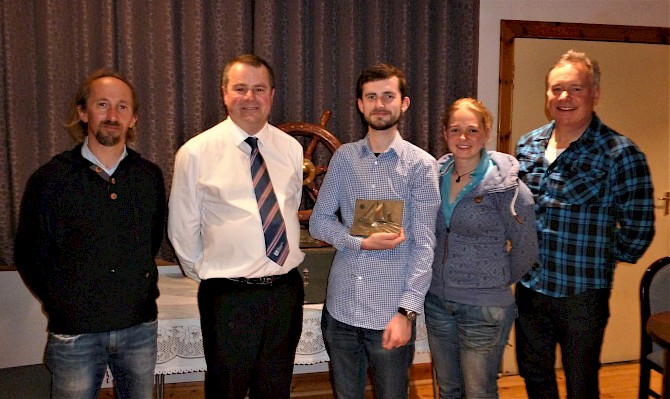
(397, 333)
(383, 240)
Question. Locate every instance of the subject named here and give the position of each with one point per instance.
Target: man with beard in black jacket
(90, 226)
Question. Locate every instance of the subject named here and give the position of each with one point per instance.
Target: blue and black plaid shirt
(594, 206)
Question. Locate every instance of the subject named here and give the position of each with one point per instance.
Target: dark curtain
(173, 51)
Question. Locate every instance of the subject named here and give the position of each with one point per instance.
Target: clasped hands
(379, 241)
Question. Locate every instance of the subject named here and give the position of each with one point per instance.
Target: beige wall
(634, 85)
(610, 12)
(635, 93)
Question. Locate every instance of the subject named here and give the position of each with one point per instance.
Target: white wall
(23, 326)
(609, 12)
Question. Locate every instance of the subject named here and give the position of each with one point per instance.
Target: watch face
(409, 314)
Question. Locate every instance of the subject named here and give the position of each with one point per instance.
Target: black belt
(267, 280)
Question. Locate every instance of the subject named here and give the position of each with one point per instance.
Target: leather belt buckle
(266, 280)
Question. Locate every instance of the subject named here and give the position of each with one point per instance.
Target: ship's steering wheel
(314, 138)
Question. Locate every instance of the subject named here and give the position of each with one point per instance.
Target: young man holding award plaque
(377, 207)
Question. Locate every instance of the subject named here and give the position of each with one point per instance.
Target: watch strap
(409, 314)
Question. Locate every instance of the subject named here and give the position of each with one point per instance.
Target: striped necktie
(276, 243)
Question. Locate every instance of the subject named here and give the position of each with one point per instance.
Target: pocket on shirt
(581, 183)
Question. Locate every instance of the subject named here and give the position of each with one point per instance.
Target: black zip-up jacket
(86, 242)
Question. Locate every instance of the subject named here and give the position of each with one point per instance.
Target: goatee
(106, 139)
(382, 124)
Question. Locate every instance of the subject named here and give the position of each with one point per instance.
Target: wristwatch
(409, 314)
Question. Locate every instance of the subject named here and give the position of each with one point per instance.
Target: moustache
(111, 123)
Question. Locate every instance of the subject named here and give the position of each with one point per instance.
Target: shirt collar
(263, 135)
(479, 172)
(396, 145)
(88, 154)
(589, 134)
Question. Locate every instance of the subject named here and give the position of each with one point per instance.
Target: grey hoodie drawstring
(511, 205)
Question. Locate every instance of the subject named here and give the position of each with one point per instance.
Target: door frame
(513, 29)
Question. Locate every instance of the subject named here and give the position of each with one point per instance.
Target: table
(658, 327)
(180, 338)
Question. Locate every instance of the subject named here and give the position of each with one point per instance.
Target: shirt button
(113, 196)
(374, 186)
(112, 270)
(112, 180)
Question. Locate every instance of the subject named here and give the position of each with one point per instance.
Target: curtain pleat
(174, 51)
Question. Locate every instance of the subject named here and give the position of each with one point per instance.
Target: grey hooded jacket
(491, 241)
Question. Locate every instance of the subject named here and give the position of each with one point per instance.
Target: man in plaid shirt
(594, 203)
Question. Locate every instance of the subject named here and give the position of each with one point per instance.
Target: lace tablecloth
(180, 338)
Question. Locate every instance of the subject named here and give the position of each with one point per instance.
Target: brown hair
(251, 60)
(77, 128)
(473, 105)
(381, 72)
(576, 57)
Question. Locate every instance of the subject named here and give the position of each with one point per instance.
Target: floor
(618, 381)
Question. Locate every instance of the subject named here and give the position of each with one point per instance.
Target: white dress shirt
(214, 223)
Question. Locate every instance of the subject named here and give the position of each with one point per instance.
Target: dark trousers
(576, 323)
(250, 334)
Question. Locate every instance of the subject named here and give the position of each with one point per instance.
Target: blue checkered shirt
(366, 287)
(594, 206)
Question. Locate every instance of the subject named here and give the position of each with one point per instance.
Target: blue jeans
(576, 323)
(467, 344)
(350, 348)
(78, 362)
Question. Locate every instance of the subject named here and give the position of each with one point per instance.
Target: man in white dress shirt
(250, 306)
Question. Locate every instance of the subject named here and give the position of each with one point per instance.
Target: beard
(381, 124)
(107, 138)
